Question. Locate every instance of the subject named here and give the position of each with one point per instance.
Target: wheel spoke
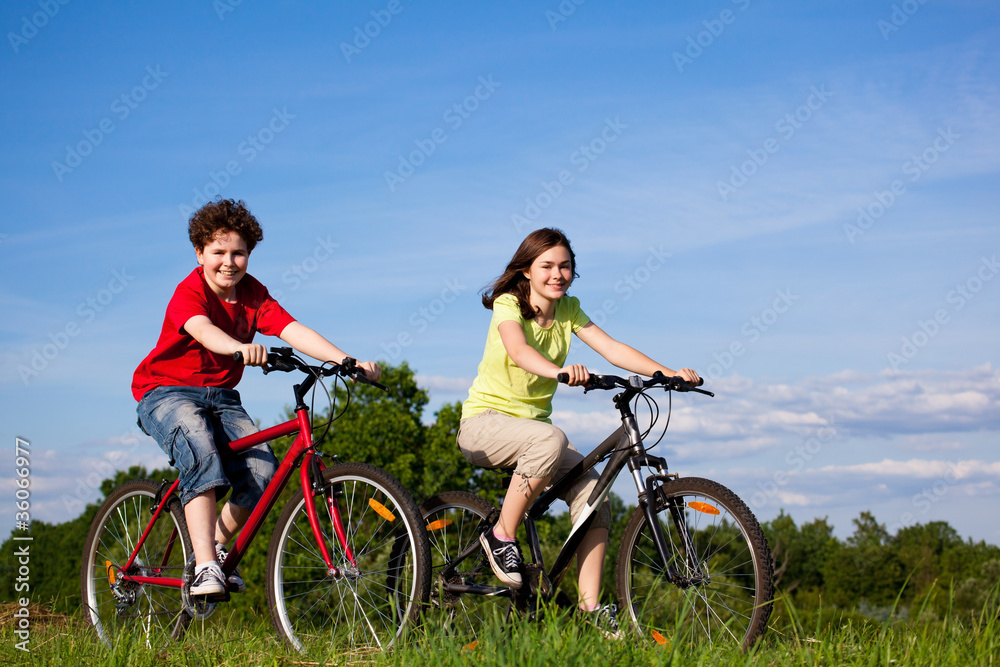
(367, 601)
(153, 614)
(724, 588)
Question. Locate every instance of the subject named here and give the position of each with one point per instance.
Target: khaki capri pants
(534, 449)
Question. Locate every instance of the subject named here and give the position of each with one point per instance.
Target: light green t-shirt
(501, 385)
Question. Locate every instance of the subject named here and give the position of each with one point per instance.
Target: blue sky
(793, 199)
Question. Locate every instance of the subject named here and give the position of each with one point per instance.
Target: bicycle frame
(302, 448)
(625, 448)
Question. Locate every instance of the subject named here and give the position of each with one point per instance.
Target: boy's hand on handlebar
(253, 354)
(372, 370)
(578, 374)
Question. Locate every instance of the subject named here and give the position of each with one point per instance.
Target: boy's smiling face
(225, 261)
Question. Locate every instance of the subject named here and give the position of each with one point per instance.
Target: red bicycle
(348, 563)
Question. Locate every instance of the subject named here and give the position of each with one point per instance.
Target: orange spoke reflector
(703, 507)
(439, 524)
(381, 510)
(660, 639)
(472, 646)
(111, 572)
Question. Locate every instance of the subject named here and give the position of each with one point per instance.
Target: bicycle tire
(727, 599)
(369, 606)
(455, 519)
(151, 615)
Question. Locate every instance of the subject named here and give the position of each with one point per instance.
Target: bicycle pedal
(212, 598)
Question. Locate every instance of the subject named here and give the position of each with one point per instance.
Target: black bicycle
(693, 563)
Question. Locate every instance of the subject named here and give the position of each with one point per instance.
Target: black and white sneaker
(605, 619)
(505, 558)
(235, 581)
(208, 581)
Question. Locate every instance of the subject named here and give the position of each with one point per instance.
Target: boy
(185, 387)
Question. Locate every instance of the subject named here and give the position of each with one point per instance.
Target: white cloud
(851, 403)
(439, 383)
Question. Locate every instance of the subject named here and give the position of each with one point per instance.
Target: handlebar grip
(562, 377)
(238, 356)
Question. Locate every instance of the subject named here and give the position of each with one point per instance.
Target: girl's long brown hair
(512, 281)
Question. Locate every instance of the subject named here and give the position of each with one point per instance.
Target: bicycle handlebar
(284, 359)
(637, 383)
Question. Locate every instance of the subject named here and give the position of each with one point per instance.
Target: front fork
(313, 466)
(650, 489)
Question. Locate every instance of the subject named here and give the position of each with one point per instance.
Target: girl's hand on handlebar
(578, 374)
(372, 370)
(253, 354)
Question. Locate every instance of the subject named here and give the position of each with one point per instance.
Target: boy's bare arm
(215, 339)
(310, 342)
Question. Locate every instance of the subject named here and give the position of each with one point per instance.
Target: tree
(799, 553)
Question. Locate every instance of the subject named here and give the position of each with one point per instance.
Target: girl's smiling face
(551, 273)
(225, 261)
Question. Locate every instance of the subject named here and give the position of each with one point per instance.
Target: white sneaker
(208, 580)
(235, 581)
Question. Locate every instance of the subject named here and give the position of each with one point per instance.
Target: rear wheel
(372, 594)
(455, 519)
(718, 590)
(116, 607)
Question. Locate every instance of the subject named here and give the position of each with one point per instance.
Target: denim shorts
(193, 426)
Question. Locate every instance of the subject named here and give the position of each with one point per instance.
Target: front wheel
(715, 586)
(117, 607)
(371, 593)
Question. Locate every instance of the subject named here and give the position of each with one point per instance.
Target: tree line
(871, 571)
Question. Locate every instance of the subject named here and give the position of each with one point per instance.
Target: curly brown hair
(513, 281)
(224, 215)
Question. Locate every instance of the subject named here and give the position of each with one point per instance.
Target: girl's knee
(543, 456)
(603, 518)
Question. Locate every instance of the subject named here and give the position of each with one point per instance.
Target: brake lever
(350, 367)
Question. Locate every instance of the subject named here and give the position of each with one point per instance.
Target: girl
(505, 421)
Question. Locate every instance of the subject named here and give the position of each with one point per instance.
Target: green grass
(823, 637)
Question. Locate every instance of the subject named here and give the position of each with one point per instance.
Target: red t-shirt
(178, 360)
